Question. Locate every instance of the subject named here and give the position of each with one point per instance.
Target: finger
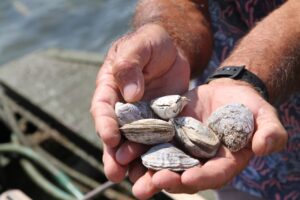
(113, 171)
(169, 181)
(270, 135)
(132, 53)
(216, 172)
(136, 170)
(102, 106)
(105, 69)
(143, 187)
(166, 179)
(129, 151)
(130, 80)
(103, 113)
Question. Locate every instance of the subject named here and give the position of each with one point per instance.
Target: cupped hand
(143, 64)
(269, 136)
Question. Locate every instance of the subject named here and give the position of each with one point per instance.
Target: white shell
(168, 107)
(234, 125)
(128, 112)
(166, 156)
(195, 137)
(149, 131)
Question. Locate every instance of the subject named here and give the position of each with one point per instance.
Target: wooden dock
(60, 83)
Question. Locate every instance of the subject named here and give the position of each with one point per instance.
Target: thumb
(132, 53)
(270, 135)
(130, 81)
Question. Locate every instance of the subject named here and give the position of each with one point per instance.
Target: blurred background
(30, 25)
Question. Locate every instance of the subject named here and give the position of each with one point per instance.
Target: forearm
(272, 51)
(186, 22)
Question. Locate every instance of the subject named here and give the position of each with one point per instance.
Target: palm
(207, 98)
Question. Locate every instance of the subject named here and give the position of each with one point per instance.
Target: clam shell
(130, 112)
(168, 107)
(195, 137)
(149, 131)
(166, 156)
(234, 125)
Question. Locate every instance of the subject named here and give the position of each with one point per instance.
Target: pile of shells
(157, 123)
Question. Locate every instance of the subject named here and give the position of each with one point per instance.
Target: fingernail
(270, 145)
(129, 91)
(121, 158)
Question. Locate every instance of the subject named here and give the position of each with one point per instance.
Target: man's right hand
(141, 65)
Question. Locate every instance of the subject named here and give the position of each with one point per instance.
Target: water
(91, 25)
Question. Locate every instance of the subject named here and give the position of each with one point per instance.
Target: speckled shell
(195, 137)
(166, 156)
(128, 112)
(149, 131)
(234, 125)
(168, 107)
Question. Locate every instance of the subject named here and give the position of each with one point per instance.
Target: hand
(269, 136)
(144, 64)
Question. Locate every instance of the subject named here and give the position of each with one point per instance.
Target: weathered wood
(60, 83)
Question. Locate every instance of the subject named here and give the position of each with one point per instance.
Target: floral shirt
(276, 176)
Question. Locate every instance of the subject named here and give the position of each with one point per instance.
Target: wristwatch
(240, 73)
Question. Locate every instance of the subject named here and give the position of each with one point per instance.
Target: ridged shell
(234, 125)
(166, 156)
(195, 137)
(128, 112)
(149, 131)
(168, 107)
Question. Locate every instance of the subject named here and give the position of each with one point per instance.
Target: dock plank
(61, 83)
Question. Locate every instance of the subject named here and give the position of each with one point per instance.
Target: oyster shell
(148, 131)
(130, 112)
(234, 125)
(168, 107)
(195, 137)
(166, 156)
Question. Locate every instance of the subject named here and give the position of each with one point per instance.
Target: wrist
(229, 81)
(242, 74)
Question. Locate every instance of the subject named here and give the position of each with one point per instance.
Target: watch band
(240, 73)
